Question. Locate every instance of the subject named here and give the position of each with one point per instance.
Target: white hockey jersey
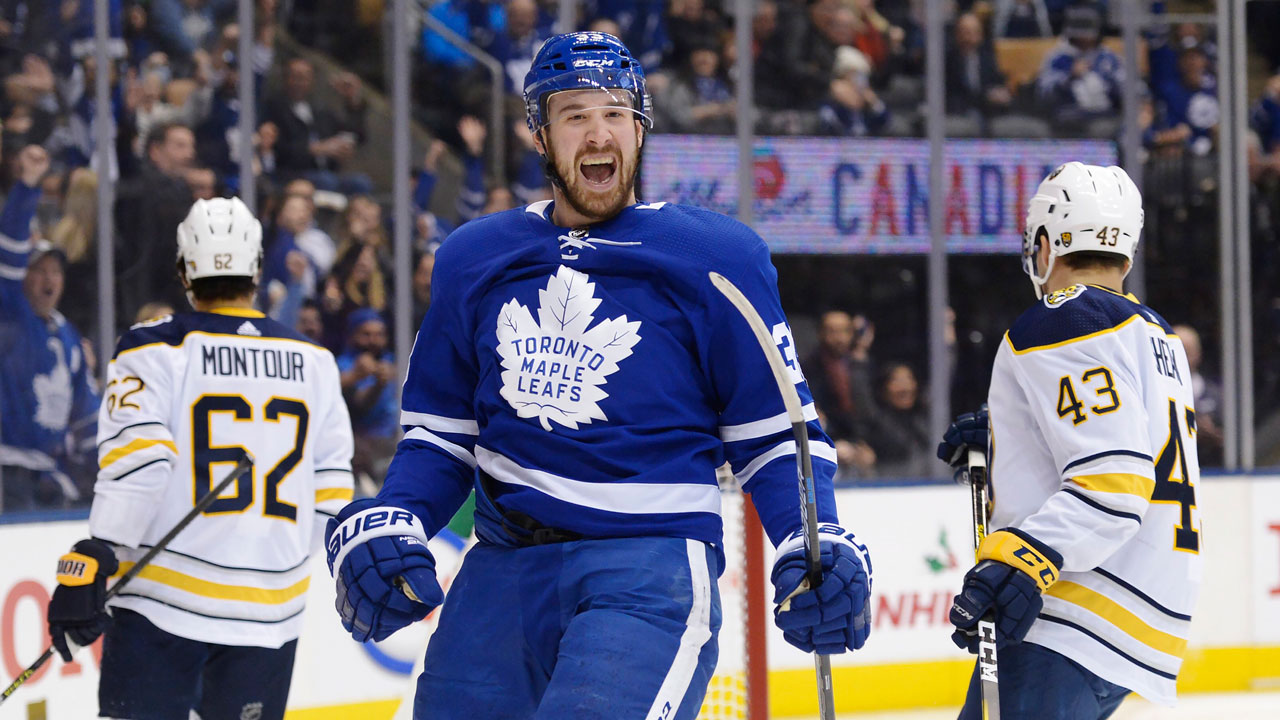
(1093, 453)
(185, 394)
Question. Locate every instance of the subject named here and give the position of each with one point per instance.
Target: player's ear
(538, 144)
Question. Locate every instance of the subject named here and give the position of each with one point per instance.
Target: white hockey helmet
(220, 238)
(1082, 208)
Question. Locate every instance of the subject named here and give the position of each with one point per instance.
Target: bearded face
(593, 145)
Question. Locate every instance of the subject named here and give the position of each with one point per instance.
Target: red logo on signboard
(769, 176)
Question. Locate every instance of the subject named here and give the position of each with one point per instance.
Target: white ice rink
(1203, 706)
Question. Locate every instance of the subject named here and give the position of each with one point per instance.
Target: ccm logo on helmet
(380, 518)
(589, 62)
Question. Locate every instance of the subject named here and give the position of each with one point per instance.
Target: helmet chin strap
(1038, 281)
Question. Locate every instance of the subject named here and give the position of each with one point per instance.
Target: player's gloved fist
(969, 430)
(77, 612)
(386, 578)
(1013, 570)
(837, 615)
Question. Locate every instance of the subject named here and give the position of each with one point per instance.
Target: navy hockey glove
(969, 430)
(837, 616)
(77, 613)
(1013, 570)
(386, 578)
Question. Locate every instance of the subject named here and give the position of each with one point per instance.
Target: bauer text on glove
(836, 616)
(372, 549)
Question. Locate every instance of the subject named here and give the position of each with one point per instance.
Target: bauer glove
(386, 578)
(77, 613)
(837, 615)
(969, 430)
(1013, 570)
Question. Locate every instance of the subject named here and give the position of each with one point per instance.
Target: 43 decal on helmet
(1109, 235)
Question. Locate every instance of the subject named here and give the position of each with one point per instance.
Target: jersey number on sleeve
(1173, 482)
(205, 455)
(1097, 379)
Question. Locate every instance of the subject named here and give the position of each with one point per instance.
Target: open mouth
(598, 171)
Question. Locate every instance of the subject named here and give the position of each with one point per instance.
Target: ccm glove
(77, 613)
(385, 576)
(837, 615)
(1013, 570)
(969, 430)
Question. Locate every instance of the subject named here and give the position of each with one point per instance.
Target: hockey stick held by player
(836, 616)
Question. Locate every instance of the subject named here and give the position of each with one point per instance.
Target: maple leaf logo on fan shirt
(554, 369)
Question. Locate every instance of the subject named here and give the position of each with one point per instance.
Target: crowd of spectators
(834, 67)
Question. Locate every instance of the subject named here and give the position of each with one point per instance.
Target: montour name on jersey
(252, 362)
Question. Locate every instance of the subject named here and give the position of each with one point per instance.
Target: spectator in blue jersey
(642, 23)
(1080, 80)
(1264, 119)
(519, 40)
(185, 27)
(368, 371)
(1186, 89)
(472, 195)
(47, 397)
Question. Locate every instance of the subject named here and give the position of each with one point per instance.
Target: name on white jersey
(1166, 360)
(252, 362)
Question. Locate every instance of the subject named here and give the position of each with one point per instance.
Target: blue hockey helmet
(584, 61)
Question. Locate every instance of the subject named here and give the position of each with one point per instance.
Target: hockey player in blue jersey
(578, 368)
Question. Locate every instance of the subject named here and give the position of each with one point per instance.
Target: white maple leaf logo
(554, 369)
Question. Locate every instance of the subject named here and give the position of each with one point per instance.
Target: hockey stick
(987, 671)
(242, 466)
(804, 466)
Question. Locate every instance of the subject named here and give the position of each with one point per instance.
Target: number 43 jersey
(186, 395)
(1093, 452)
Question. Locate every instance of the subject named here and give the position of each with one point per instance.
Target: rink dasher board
(919, 540)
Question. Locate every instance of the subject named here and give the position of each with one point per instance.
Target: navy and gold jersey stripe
(174, 329)
(1089, 312)
(212, 616)
(1098, 639)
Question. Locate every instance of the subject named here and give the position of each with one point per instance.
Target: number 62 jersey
(1093, 453)
(186, 395)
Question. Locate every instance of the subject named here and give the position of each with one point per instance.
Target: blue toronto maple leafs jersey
(46, 393)
(592, 381)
